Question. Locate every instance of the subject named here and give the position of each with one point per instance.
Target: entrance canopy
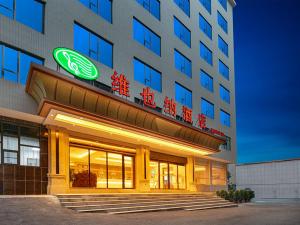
(79, 107)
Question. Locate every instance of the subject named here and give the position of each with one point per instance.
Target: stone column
(142, 169)
(191, 186)
(58, 142)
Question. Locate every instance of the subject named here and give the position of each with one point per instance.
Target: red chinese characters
(202, 121)
(120, 84)
(170, 106)
(187, 114)
(148, 97)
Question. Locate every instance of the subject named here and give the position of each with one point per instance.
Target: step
(142, 204)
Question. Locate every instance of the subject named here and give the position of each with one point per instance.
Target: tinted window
(29, 12)
(182, 32)
(205, 27)
(222, 22)
(223, 46)
(183, 95)
(153, 6)
(206, 4)
(101, 7)
(92, 45)
(146, 37)
(147, 75)
(225, 118)
(206, 81)
(184, 5)
(182, 63)
(207, 108)
(223, 4)
(223, 70)
(206, 54)
(224, 94)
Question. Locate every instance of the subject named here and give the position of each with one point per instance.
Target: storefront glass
(154, 175)
(100, 169)
(202, 172)
(164, 175)
(181, 177)
(173, 176)
(219, 174)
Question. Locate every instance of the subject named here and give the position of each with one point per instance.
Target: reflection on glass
(164, 175)
(98, 168)
(218, 175)
(79, 167)
(114, 170)
(154, 182)
(128, 165)
(202, 173)
(173, 176)
(181, 177)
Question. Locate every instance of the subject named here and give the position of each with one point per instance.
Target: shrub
(237, 196)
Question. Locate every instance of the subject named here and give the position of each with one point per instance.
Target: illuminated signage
(119, 83)
(75, 63)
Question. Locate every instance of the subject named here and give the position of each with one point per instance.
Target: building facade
(271, 180)
(64, 134)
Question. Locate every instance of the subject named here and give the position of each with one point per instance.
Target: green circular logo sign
(75, 63)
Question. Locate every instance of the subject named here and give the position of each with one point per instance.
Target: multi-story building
(161, 115)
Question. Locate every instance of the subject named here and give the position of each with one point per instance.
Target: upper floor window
(92, 45)
(222, 22)
(146, 37)
(223, 70)
(224, 94)
(227, 145)
(207, 108)
(206, 53)
(183, 95)
(182, 63)
(182, 32)
(14, 64)
(147, 75)
(29, 12)
(205, 26)
(224, 118)
(207, 5)
(101, 7)
(223, 46)
(20, 145)
(184, 5)
(153, 6)
(223, 4)
(206, 81)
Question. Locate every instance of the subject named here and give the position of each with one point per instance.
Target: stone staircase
(134, 203)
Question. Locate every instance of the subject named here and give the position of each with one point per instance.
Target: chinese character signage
(120, 84)
(170, 106)
(148, 97)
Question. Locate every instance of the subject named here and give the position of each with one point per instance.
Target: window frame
(149, 10)
(210, 77)
(205, 58)
(221, 19)
(182, 35)
(227, 114)
(187, 90)
(222, 43)
(205, 113)
(206, 23)
(98, 10)
(185, 59)
(226, 90)
(177, 2)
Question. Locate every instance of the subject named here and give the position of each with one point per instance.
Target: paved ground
(47, 211)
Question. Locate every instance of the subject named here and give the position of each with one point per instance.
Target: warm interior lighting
(101, 145)
(126, 133)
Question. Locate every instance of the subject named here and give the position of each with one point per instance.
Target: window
(182, 63)
(224, 118)
(227, 145)
(223, 46)
(14, 64)
(206, 4)
(206, 81)
(207, 108)
(223, 70)
(223, 4)
(182, 32)
(153, 6)
(206, 54)
(205, 26)
(147, 75)
(30, 12)
(184, 5)
(224, 94)
(101, 7)
(201, 172)
(100, 169)
(183, 95)
(219, 174)
(92, 45)
(222, 22)
(20, 145)
(146, 37)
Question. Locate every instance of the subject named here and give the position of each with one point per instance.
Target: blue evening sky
(267, 71)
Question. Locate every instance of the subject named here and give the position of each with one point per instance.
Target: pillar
(142, 169)
(191, 186)
(58, 150)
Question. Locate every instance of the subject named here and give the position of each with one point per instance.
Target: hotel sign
(75, 63)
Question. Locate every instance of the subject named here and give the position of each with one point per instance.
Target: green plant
(237, 196)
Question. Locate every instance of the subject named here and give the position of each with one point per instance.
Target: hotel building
(160, 117)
